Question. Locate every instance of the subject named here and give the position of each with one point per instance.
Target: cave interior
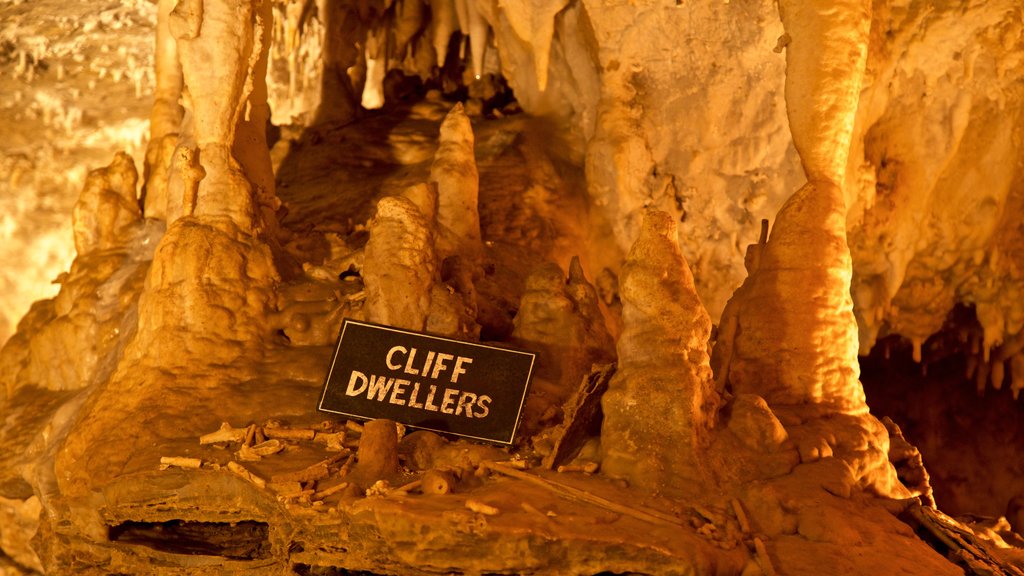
(766, 254)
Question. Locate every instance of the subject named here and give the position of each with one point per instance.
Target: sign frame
(396, 334)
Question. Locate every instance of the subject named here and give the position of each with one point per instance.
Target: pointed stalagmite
(399, 265)
(660, 404)
(454, 171)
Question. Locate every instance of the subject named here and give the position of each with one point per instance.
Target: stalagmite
(107, 205)
(191, 311)
(399, 267)
(796, 338)
(376, 67)
(560, 320)
(660, 404)
(378, 453)
(454, 171)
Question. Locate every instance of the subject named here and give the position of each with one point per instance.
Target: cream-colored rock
(192, 295)
(399, 265)
(753, 422)
(167, 113)
(796, 338)
(20, 519)
(224, 70)
(159, 157)
(107, 206)
(183, 178)
(677, 130)
(454, 171)
(558, 318)
(534, 23)
(927, 228)
(661, 403)
(443, 23)
(825, 59)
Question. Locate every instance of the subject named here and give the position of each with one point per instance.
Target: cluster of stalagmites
(212, 296)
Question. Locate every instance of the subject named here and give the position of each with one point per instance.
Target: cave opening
(960, 410)
(243, 540)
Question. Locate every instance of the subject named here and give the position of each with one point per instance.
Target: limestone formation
(159, 157)
(224, 69)
(454, 171)
(167, 113)
(559, 319)
(107, 206)
(661, 404)
(378, 453)
(400, 266)
(596, 126)
(795, 338)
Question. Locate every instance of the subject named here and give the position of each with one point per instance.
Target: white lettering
(379, 387)
(408, 363)
(415, 392)
(459, 369)
(391, 353)
(447, 406)
(482, 403)
(439, 364)
(429, 404)
(353, 389)
(397, 391)
(466, 400)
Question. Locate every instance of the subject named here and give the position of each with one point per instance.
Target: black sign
(427, 382)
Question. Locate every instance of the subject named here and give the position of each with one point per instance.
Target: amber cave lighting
(649, 287)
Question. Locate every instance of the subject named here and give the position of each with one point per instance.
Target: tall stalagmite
(661, 402)
(455, 172)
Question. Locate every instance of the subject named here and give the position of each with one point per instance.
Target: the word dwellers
(415, 386)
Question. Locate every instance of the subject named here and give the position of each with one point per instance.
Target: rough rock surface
(198, 317)
(663, 391)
